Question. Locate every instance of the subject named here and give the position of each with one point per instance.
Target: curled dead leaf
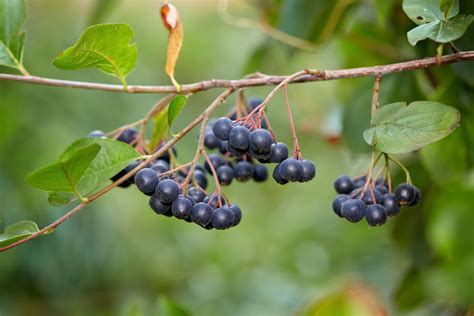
(172, 22)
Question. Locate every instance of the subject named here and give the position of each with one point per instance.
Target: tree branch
(261, 80)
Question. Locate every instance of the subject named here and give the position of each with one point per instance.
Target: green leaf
(17, 231)
(101, 9)
(175, 108)
(411, 291)
(104, 46)
(60, 198)
(447, 7)
(66, 173)
(440, 31)
(12, 38)
(160, 128)
(112, 158)
(167, 307)
(387, 111)
(412, 127)
(426, 11)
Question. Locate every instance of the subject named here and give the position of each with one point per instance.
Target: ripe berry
(214, 202)
(376, 215)
(405, 193)
(216, 162)
(222, 128)
(260, 173)
(128, 135)
(182, 208)
(382, 189)
(166, 155)
(124, 184)
(239, 137)
(243, 170)
(277, 176)
(261, 141)
(264, 158)
(201, 214)
(97, 134)
(279, 152)
(223, 218)
(389, 201)
(167, 191)
(223, 147)
(196, 194)
(200, 178)
(360, 182)
(146, 180)
(254, 102)
(309, 171)
(337, 203)
(291, 169)
(211, 141)
(343, 185)
(368, 199)
(237, 214)
(157, 206)
(235, 151)
(417, 198)
(353, 210)
(225, 174)
(160, 166)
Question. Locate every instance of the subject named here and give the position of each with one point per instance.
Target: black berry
(201, 214)
(211, 141)
(146, 180)
(343, 185)
(200, 178)
(417, 198)
(243, 170)
(353, 210)
(389, 201)
(277, 176)
(128, 135)
(222, 128)
(157, 206)
(337, 203)
(309, 171)
(167, 191)
(239, 137)
(196, 194)
(216, 162)
(182, 208)
(225, 175)
(376, 215)
(237, 214)
(261, 141)
(405, 193)
(235, 151)
(279, 152)
(260, 173)
(223, 218)
(291, 169)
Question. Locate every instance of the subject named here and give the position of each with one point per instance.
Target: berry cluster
(242, 141)
(362, 197)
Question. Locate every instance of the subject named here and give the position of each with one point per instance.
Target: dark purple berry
(253, 102)
(201, 214)
(146, 180)
(417, 198)
(277, 176)
(216, 162)
(237, 214)
(243, 170)
(182, 208)
(223, 147)
(291, 169)
(223, 218)
(382, 189)
(260, 173)
(389, 201)
(337, 203)
(239, 137)
(376, 215)
(157, 206)
(261, 141)
(405, 193)
(200, 179)
(167, 191)
(368, 198)
(309, 171)
(360, 181)
(343, 185)
(264, 158)
(211, 141)
(196, 194)
(279, 152)
(353, 210)
(160, 166)
(225, 175)
(222, 128)
(235, 151)
(128, 135)
(214, 201)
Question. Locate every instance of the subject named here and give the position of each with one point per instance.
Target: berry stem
(375, 94)
(296, 150)
(407, 173)
(214, 174)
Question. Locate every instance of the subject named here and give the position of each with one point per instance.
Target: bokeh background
(291, 254)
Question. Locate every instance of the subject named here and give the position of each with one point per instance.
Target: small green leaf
(385, 112)
(175, 108)
(12, 38)
(449, 7)
(66, 173)
(17, 231)
(441, 31)
(426, 11)
(411, 127)
(104, 46)
(60, 198)
(112, 158)
(160, 128)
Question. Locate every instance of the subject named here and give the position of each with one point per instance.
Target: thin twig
(375, 94)
(313, 75)
(296, 146)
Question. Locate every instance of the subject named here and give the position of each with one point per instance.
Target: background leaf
(167, 307)
(425, 11)
(449, 7)
(412, 127)
(66, 173)
(175, 108)
(17, 231)
(104, 46)
(160, 128)
(441, 31)
(101, 9)
(12, 38)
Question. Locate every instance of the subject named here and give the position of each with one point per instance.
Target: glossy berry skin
(200, 178)
(264, 158)
(223, 218)
(309, 171)
(128, 135)
(157, 206)
(182, 208)
(279, 152)
(235, 151)
(214, 202)
(291, 169)
(253, 102)
(124, 184)
(201, 214)
(337, 203)
(239, 138)
(353, 210)
(222, 128)
(376, 215)
(368, 199)
(405, 193)
(167, 191)
(216, 162)
(360, 182)
(243, 170)
(389, 201)
(237, 214)
(417, 198)
(382, 189)
(211, 141)
(260, 173)
(196, 194)
(261, 141)
(343, 185)
(160, 166)
(146, 180)
(277, 176)
(223, 147)
(225, 175)
(97, 134)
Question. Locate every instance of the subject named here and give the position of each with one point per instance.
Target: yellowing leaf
(172, 22)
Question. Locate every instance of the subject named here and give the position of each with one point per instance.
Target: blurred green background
(291, 254)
